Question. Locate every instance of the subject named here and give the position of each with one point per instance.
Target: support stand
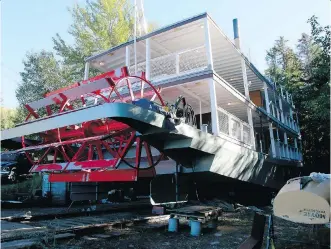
(256, 239)
(196, 216)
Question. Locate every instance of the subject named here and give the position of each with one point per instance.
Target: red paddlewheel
(96, 145)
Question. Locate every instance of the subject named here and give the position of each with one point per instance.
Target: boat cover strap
(304, 181)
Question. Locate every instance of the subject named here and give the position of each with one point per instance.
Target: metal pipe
(148, 59)
(127, 56)
(135, 37)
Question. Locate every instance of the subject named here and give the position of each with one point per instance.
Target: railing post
(266, 96)
(291, 117)
(127, 56)
(281, 109)
(229, 126)
(213, 107)
(278, 143)
(87, 70)
(296, 149)
(272, 140)
(286, 145)
(277, 113)
(148, 59)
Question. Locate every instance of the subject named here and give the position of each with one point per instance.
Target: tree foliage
(7, 118)
(101, 24)
(42, 73)
(97, 26)
(306, 74)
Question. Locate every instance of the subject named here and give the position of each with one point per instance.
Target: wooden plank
(17, 244)
(256, 97)
(64, 236)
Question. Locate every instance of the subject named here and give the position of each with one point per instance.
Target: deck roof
(189, 32)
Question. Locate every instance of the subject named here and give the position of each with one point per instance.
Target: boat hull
(308, 205)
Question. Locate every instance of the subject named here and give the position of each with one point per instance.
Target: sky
(30, 25)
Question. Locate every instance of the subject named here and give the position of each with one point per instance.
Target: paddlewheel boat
(180, 109)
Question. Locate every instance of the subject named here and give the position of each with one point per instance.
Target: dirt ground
(231, 231)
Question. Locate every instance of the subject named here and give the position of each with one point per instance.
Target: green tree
(284, 65)
(314, 97)
(97, 26)
(7, 118)
(306, 74)
(42, 73)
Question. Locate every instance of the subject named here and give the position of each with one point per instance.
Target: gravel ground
(231, 231)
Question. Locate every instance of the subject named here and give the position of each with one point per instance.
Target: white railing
(284, 94)
(173, 64)
(233, 127)
(285, 151)
(276, 112)
(288, 121)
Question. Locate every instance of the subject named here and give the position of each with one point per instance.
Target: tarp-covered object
(305, 199)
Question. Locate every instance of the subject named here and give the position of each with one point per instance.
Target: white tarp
(319, 177)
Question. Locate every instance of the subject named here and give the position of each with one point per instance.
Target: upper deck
(182, 57)
(181, 51)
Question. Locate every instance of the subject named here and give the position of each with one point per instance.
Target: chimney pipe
(236, 33)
